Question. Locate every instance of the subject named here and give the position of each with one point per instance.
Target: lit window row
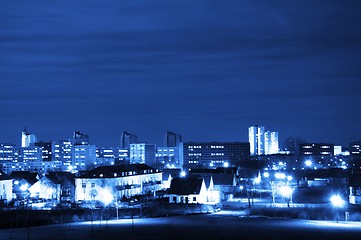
(217, 154)
(194, 154)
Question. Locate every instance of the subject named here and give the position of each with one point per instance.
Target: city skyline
(206, 70)
(280, 144)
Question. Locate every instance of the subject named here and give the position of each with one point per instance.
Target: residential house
(6, 189)
(113, 183)
(23, 180)
(188, 190)
(222, 180)
(55, 186)
(355, 189)
(193, 190)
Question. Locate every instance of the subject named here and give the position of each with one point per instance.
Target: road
(222, 225)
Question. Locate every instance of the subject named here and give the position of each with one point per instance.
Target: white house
(6, 188)
(112, 183)
(193, 190)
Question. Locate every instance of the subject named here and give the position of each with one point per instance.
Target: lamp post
(337, 202)
(286, 192)
(106, 197)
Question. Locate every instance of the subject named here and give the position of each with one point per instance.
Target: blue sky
(204, 69)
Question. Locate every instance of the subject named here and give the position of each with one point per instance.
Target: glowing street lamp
(337, 202)
(257, 180)
(106, 196)
(24, 187)
(279, 175)
(308, 163)
(286, 192)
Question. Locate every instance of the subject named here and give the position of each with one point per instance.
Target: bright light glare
(337, 201)
(226, 164)
(257, 180)
(280, 175)
(106, 196)
(286, 191)
(308, 163)
(24, 187)
(266, 174)
(183, 174)
(289, 178)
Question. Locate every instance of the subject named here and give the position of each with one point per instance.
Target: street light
(286, 192)
(308, 163)
(106, 197)
(337, 202)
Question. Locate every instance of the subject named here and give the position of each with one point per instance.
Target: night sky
(204, 69)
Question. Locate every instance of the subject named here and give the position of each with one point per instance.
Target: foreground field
(221, 225)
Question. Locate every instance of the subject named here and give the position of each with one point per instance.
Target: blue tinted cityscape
(136, 179)
(182, 119)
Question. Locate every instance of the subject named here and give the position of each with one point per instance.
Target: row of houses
(113, 184)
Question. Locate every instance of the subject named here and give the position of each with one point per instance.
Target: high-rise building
(46, 148)
(126, 139)
(80, 138)
(256, 139)
(262, 142)
(172, 139)
(27, 139)
(169, 157)
(271, 143)
(143, 153)
(63, 152)
(9, 152)
(84, 157)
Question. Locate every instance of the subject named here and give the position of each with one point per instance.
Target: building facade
(113, 183)
(169, 157)
(126, 139)
(143, 153)
(27, 139)
(214, 154)
(172, 139)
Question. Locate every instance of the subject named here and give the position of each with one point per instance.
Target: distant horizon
(160, 142)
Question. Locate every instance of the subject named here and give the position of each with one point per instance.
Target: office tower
(172, 139)
(355, 148)
(214, 154)
(271, 143)
(27, 139)
(84, 157)
(142, 153)
(169, 157)
(46, 147)
(126, 139)
(256, 139)
(63, 151)
(8, 152)
(80, 138)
